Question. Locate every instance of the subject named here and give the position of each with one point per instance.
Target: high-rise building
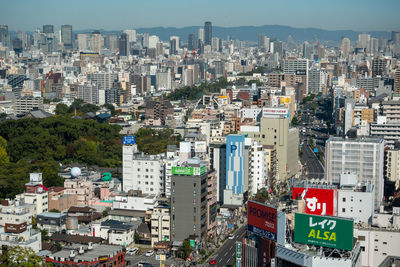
(363, 157)
(97, 42)
(82, 40)
(396, 37)
(217, 154)
(275, 131)
(123, 45)
(378, 67)
(263, 42)
(316, 81)
(363, 41)
(396, 85)
(4, 35)
(345, 47)
(173, 45)
(373, 46)
(207, 33)
(201, 35)
(48, 29)
(192, 41)
(131, 35)
(215, 44)
(66, 36)
(189, 203)
(236, 182)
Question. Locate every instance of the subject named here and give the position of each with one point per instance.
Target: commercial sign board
(238, 253)
(319, 201)
(262, 220)
(189, 170)
(200, 147)
(275, 111)
(325, 231)
(129, 140)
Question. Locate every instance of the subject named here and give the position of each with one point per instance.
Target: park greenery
(151, 141)
(39, 145)
(197, 91)
(19, 256)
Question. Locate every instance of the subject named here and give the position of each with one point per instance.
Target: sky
(358, 15)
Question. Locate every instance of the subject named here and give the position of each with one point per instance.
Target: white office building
(142, 172)
(363, 157)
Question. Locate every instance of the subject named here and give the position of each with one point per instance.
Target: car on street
(149, 253)
(231, 236)
(213, 262)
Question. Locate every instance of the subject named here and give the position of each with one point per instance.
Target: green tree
(18, 256)
(295, 121)
(59, 246)
(3, 152)
(62, 109)
(185, 250)
(44, 235)
(136, 237)
(106, 211)
(262, 195)
(110, 107)
(54, 211)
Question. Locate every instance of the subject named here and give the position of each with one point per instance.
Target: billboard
(318, 201)
(275, 111)
(129, 140)
(222, 100)
(177, 170)
(323, 231)
(238, 253)
(200, 147)
(262, 220)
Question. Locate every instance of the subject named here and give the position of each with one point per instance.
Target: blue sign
(315, 150)
(129, 140)
(261, 232)
(230, 225)
(233, 148)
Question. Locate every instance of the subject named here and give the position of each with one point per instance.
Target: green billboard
(323, 231)
(189, 170)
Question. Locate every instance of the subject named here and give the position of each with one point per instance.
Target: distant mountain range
(250, 33)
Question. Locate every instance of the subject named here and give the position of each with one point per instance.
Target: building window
(362, 248)
(344, 199)
(343, 210)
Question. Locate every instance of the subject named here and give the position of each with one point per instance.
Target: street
(312, 163)
(133, 260)
(226, 254)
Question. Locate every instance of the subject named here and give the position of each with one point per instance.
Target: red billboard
(262, 220)
(319, 201)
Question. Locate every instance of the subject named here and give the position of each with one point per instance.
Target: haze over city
(212, 133)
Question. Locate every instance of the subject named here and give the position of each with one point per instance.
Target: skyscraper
(97, 41)
(396, 37)
(345, 47)
(363, 40)
(207, 33)
(192, 41)
(66, 36)
(123, 45)
(48, 29)
(4, 36)
(201, 35)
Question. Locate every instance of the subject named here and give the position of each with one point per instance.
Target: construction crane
(44, 83)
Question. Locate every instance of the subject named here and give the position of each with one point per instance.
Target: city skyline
(180, 14)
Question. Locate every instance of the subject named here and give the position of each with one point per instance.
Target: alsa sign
(323, 231)
(262, 220)
(318, 201)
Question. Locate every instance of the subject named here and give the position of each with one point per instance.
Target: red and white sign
(318, 201)
(262, 216)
